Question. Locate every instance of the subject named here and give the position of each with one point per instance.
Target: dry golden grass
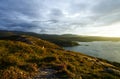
(21, 60)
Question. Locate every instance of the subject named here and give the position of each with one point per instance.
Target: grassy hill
(24, 57)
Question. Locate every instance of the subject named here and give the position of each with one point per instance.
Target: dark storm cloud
(18, 14)
(57, 16)
(107, 11)
(107, 6)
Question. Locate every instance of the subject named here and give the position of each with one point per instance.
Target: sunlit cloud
(61, 16)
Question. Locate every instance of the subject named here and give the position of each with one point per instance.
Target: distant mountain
(25, 57)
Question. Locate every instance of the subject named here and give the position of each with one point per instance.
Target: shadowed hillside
(52, 38)
(61, 40)
(23, 57)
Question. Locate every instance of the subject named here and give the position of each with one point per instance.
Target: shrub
(49, 59)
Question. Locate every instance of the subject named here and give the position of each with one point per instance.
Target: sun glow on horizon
(112, 30)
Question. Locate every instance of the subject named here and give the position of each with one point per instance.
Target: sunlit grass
(22, 60)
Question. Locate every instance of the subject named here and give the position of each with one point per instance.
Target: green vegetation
(52, 38)
(21, 57)
(61, 40)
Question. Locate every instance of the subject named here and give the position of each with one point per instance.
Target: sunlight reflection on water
(102, 49)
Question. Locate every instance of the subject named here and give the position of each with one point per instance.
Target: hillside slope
(52, 38)
(60, 38)
(24, 57)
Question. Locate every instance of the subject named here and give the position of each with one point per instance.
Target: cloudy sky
(83, 17)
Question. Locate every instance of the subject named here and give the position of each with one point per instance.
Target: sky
(82, 17)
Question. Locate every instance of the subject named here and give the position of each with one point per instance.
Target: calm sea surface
(102, 49)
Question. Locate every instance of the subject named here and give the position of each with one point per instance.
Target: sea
(108, 50)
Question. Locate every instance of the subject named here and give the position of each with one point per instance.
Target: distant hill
(57, 39)
(70, 35)
(25, 57)
(64, 36)
(61, 40)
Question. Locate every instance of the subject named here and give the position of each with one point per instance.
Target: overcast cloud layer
(60, 16)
